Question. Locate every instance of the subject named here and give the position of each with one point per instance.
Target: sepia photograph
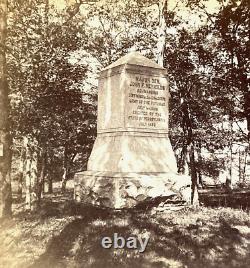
(124, 134)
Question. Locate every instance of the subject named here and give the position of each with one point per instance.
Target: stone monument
(132, 159)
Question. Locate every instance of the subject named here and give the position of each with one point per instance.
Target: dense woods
(49, 63)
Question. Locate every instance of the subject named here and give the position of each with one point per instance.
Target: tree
(231, 27)
(5, 133)
(49, 106)
(228, 37)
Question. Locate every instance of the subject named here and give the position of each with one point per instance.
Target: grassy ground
(65, 235)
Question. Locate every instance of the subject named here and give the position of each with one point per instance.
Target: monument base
(125, 190)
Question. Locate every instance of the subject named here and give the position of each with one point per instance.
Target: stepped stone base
(125, 190)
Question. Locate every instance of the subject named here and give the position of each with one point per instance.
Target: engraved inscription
(147, 102)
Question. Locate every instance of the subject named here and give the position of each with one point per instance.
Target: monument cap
(134, 58)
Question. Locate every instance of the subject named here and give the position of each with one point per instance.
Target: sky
(193, 19)
(211, 5)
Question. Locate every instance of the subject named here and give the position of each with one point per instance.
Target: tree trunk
(40, 184)
(193, 171)
(20, 186)
(188, 133)
(200, 181)
(50, 184)
(49, 173)
(31, 174)
(21, 172)
(5, 136)
(239, 168)
(183, 159)
(65, 169)
(64, 180)
(161, 42)
(68, 161)
(244, 86)
(231, 152)
(246, 155)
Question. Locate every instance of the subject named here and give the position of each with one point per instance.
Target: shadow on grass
(221, 197)
(170, 245)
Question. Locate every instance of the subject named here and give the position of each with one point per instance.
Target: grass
(65, 235)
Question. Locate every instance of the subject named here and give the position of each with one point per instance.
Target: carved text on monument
(147, 103)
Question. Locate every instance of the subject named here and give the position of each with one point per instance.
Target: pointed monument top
(134, 58)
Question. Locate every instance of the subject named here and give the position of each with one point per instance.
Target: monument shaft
(132, 127)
